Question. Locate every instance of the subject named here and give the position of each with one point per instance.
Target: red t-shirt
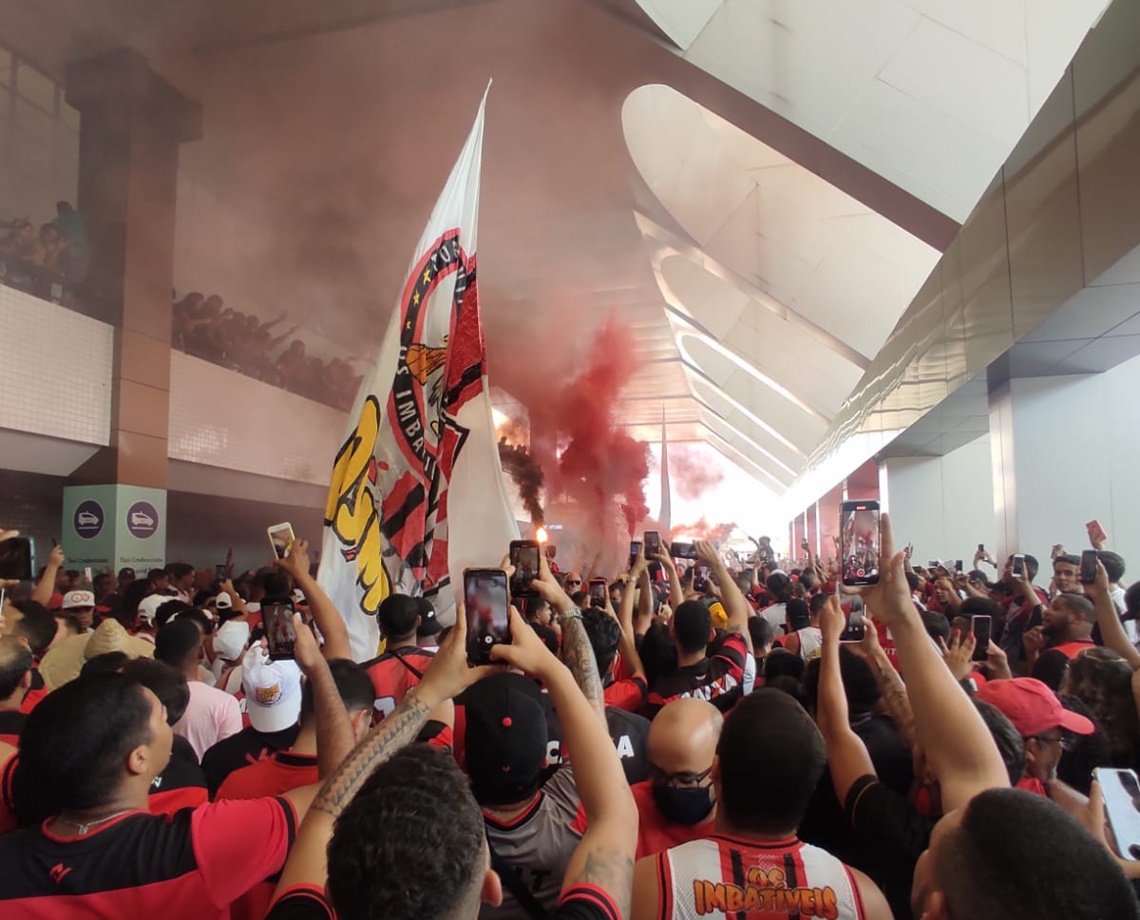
(655, 834)
(393, 674)
(280, 772)
(629, 694)
(187, 867)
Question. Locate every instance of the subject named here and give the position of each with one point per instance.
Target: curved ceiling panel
(802, 429)
(768, 441)
(930, 95)
(774, 346)
(778, 226)
(775, 474)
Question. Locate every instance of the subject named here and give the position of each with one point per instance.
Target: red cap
(1032, 707)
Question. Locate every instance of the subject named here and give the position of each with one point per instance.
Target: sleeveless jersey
(731, 878)
(393, 674)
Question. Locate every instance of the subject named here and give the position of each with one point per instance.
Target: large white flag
(416, 493)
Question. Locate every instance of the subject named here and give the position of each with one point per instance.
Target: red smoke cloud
(574, 436)
(716, 534)
(689, 475)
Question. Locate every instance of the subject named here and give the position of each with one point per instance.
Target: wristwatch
(572, 613)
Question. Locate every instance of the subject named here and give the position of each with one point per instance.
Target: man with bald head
(677, 803)
(15, 678)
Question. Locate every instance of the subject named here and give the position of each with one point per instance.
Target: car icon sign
(87, 519)
(141, 519)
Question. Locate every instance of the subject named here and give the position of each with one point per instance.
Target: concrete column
(132, 123)
(1064, 453)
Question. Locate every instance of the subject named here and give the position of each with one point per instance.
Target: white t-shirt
(1131, 627)
(776, 615)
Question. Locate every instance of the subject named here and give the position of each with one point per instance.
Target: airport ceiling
(757, 187)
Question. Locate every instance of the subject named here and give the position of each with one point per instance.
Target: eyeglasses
(684, 778)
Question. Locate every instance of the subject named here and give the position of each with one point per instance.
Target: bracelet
(572, 614)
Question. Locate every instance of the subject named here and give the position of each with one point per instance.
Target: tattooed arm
(577, 653)
(446, 676)
(604, 855)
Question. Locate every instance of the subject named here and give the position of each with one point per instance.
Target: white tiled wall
(221, 418)
(55, 370)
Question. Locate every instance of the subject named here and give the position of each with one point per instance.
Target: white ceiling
(930, 94)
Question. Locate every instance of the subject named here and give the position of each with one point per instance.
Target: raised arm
(847, 756)
(325, 615)
(628, 646)
(958, 746)
(676, 592)
(1111, 629)
(576, 649)
(604, 856)
(735, 606)
(334, 729)
(447, 675)
(45, 587)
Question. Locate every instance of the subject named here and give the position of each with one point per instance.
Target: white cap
(272, 691)
(298, 596)
(75, 600)
(223, 601)
(148, 607)
(230, 640)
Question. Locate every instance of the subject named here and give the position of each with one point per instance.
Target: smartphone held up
(281, 539)
(859, 542)
(487, 599)
(524, 560)
(280, 635)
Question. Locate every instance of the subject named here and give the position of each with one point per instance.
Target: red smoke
(716, 534)
(689, 475)
(587, 457)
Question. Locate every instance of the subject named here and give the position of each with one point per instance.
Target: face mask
(683, 805)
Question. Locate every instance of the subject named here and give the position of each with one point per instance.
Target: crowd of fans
(49, 261)
(207, 328)
(671, 753)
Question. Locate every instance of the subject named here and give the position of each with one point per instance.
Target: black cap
(429, 622)
(506, 738)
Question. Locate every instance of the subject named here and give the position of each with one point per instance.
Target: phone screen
(855, 629)
(700, 578)
(980, 626)
(652, 543)
(488, 602)
(279, 632)
(683, 550)
(598, 592)
(634, 551)
(524, 558)
(1088, 566)
(1018, 566)
(281, 539)
(17, 559)
(859, 543)
(1121, 797)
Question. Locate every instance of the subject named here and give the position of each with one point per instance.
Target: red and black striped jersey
(187, 867)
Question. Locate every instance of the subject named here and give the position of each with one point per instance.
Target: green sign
(113, 526)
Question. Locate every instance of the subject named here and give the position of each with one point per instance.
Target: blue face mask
(686, 805)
